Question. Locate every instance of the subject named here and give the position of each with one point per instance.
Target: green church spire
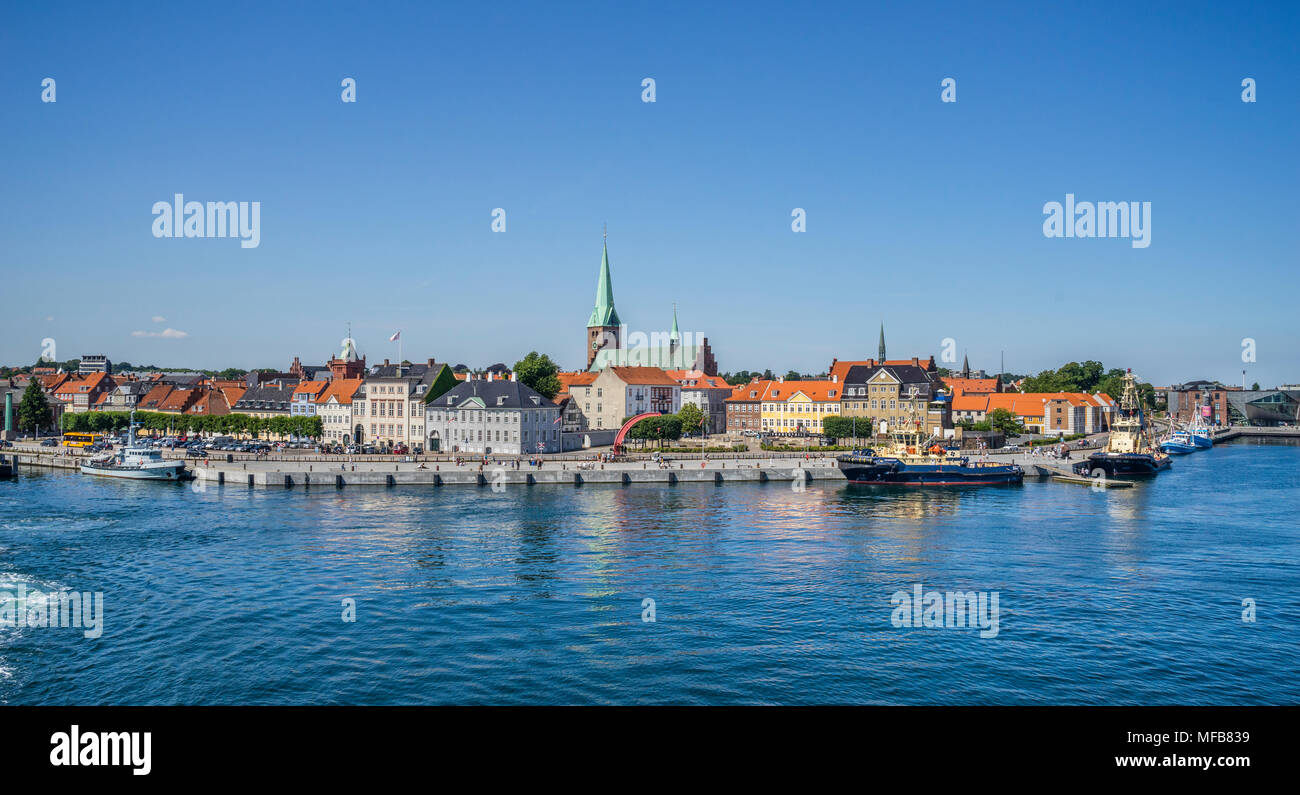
(882, 343)
(604, 314)
(674, 336)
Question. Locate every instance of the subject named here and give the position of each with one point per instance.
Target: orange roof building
(1040, 412)
(797, 408)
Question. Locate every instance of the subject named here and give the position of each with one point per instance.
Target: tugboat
(136, 461)
(912, 461)
(1130, 451)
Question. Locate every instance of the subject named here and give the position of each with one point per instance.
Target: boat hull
(1119, 465)
(1202, 441)
(1178, 448)
(892, 472)
(170, 472)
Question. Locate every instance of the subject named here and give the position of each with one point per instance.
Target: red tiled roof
(741, 392)
(972, 385)
(701, 381)
(341, 390)
(313, 388)
(819, 391)
(580, 378)
(651, 376)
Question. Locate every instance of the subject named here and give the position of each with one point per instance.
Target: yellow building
(797, 408)
(894, 396)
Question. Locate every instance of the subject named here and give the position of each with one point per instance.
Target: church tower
(348, 364)
(882, 343)
(603, 325)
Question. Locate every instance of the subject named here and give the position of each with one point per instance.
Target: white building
(392, 404)
(492, 417)
(338, 412)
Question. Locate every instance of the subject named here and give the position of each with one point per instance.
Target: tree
(538, 371)
(1254, 387)
(740, 377)
(847, 427)
(1005, 421)
(34, 409)
(691, 417)
(666, 426)
(793, 375)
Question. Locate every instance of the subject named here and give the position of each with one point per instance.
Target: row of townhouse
(888, 395)
(1040, 412)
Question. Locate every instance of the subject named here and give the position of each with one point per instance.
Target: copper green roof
(604, 314)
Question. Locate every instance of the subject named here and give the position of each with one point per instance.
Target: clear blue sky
(924, 215)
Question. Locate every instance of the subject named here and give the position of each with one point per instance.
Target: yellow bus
(75, 439)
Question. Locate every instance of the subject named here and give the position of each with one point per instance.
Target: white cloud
(167, 334)
(159, 319)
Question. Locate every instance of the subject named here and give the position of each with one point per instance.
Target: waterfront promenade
(316, 471)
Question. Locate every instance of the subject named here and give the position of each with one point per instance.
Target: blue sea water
(762, 594)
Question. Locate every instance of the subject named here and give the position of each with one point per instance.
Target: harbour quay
(284, 474)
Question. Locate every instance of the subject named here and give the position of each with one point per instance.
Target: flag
(558, 417)
(395, 337)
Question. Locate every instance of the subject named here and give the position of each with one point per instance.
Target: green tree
(34, 409)
(847, 427)
(663, 427)
(538, 371)
(691, 417)
(1005, 421)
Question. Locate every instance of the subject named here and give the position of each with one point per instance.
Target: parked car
(49, 443)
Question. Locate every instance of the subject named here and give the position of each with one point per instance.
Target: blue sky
(921, 214)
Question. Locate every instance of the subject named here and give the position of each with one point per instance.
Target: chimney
(916, 362)
(431, 361)
(514, 377)
(835, 378)
(385, 362)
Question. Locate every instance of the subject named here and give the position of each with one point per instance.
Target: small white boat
(136, 461)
